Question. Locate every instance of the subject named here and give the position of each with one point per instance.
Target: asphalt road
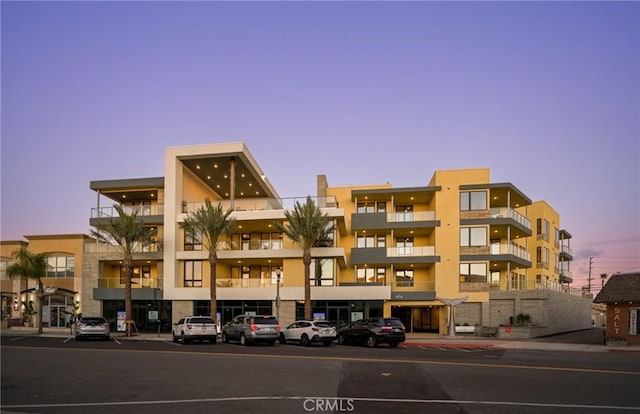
(55, 375)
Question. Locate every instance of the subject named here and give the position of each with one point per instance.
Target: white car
(192, 328)
(308, 332)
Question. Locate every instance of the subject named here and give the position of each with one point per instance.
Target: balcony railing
(136, 283)
(142, 210)
(506, 212)
(416, 251)
(255, 204)
(566, 249)
(422, 286)
(265, 282)
(408, 216)
(512, 249)
(252, 245)
(155, 247)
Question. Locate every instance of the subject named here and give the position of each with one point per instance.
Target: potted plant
(28, 313)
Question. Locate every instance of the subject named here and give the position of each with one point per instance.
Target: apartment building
(393, 251)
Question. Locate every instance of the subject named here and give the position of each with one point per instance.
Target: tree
(603, 277)
(209, 224)
(27, 265)
(129, 235)
(306, 227)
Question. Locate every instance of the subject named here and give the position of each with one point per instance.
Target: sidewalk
(413, 339)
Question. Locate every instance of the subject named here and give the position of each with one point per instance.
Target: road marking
(66, 340)
(354, 359)
(316, 398)
(116, 341)
(18, 338)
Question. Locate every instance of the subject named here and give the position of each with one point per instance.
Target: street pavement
(583, 343)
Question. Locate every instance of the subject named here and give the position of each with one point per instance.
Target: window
(366, 207)
(473, 272)
(371, 275)
(61, 266)
(404, 246)
(381, 207)
(365, 241)
(322, 272)
(495, 279)
(3, 269)
(542, 229)
(404, 277)
(473, 236)
(542, 255)
(473, 200)
(404, 213)
(140, 276)
(192, 242)
(634, 324)
(193, 273)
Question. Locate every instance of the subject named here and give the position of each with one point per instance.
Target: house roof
(621, 287)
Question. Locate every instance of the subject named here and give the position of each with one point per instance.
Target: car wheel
(243, 339)
(304, 340)
(225, 339)
(214, 340)
(393, 344)
(342, 340)
(327, 343)
(282, 339)
(184, 340)
(371, 341)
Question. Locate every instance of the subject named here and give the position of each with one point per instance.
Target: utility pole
(590, 267)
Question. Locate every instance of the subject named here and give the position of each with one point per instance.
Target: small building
(621, 294)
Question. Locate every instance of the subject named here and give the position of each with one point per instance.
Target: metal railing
(512, 249)
(506, 212)
(566, 249)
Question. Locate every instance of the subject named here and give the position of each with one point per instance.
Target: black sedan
(373, 331)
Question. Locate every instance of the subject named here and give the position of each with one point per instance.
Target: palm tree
(33, 266)
(603, 277)
(130, 236)
(306, 227)
(209, 224)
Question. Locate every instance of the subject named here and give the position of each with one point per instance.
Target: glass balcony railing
(142, 210)
(408, 216)
(255, 204)
(155, 247)
(506, 212)
(252, 245)
(566, 250)
(136, 283)
(415, 251)
(512, 249)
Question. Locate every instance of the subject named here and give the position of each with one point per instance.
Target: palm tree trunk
(213, 259)
(306, 260)
(128, 307)
(40, 295)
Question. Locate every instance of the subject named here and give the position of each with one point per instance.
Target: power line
(604, 242)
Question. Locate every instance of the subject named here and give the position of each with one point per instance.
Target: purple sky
(546, 94)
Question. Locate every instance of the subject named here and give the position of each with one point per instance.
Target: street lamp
(278, 272)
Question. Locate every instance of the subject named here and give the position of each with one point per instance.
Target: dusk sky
(545, 94)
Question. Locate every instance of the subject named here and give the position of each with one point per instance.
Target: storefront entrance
(418, 319)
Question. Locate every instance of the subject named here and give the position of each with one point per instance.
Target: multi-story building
(62, 282)
(393, 251)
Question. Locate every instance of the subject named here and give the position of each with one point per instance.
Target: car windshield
(201, 320)
(265, 320)
(322, 324)
(392, 322)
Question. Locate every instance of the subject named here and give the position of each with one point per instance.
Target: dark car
(373, 331)
(252, 328)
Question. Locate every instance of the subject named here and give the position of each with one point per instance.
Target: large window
(141, 275)
(404, 277)
(473, 200)
(322, 272)
(192, 242)
(366, 207)
(473, 236)
(61, 266)
(371, 275)
(404, 246)
(542, 255)
(3, 268)
(193, 273)
(473, 272)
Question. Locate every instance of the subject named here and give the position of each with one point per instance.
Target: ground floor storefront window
(149, 316)
(341, 312)
(229, 309)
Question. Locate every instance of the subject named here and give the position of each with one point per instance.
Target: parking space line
(66, 340)
(117, 342)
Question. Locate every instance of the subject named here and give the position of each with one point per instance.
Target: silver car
(252, 328)
(92, 327)
(307, 332)
(194, 328)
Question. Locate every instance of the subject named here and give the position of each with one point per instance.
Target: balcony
(566, 276)
(112, 288)
(566, 253)
(399, 220)
(148, 213)
(413, 290)
(259, 204)
(155, 247)
(136, 283)
(497, 252)
(394, 255)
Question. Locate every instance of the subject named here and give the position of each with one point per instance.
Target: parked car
(252, 328)
(308, 332)
(373, 331)
(191, 328)
(92, 327)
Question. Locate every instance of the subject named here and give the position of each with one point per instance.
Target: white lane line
(18, 338)
(66, 340)
(117, 342)
(352, 400)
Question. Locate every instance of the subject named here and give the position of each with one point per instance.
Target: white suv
(192, 328)
(306, 332)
